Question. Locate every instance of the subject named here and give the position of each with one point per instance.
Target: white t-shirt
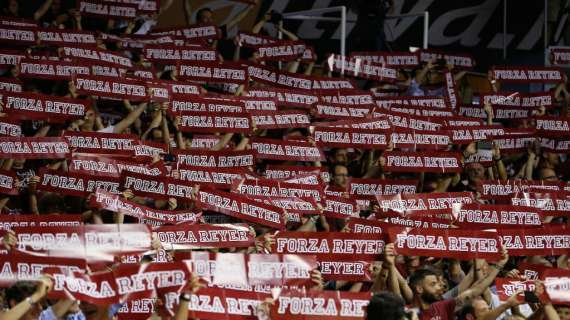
(146, 26)
(109, 129)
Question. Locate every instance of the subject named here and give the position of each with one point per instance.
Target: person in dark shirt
(385, 306)
(206, 16)
(368, 33)
(28, 9)
(58, 14)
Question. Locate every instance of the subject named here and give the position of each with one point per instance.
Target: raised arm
(467, 281)
(18, 311)
(130, 118)
(309, 68)
(192, 287)
(496, 312)
(164, 5)
(188, 11)
(420, 77)
(164, 127)
(550, 313)
(42, 10)
(444, 183)
(286, 32)
(389, 265)
(405, 289)
(155, 123)
(490, 114)
(76, 19)
(459, 75)
(480, 285)
(293, 66)
(257, 27)
(531, 161)
(232, 23)
(242, 144)
(560, 92)
(223, 142)
(237, 50)
(494, 83)
(3, 202)
(498, 159)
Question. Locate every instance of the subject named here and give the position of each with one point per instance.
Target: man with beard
(428, 292)
(428, 297)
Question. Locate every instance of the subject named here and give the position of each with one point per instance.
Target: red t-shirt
(441, 310)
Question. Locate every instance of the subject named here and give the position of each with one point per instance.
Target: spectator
(385, 305)
(24, 299)
(205, 16)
